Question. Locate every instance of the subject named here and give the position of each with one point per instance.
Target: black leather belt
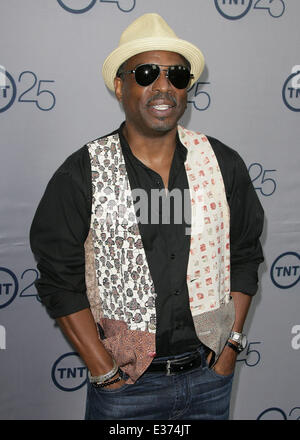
(174, 366)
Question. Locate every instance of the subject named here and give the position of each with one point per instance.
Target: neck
(154, 146)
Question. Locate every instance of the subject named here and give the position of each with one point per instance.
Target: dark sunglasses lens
(146, 74)
(179, 76)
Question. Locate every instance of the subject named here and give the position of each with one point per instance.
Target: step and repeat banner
(53, 100)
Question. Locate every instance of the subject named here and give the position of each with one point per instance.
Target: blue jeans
(198, 394)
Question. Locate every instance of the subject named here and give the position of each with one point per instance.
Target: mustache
(162, 96)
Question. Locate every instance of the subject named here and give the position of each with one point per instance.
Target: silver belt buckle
(169, 369)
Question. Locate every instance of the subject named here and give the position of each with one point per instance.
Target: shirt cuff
(65, 303)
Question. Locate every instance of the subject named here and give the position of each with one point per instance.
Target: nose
(162, 83)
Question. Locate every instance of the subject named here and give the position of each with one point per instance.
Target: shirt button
(172, 256)
(177, 292)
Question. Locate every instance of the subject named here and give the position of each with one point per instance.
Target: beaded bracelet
(105, 384)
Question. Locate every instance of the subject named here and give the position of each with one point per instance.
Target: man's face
(156, 108)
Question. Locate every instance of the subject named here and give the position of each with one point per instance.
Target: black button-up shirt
(167, 245)
(62, 221)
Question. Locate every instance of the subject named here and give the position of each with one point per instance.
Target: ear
(118, 83)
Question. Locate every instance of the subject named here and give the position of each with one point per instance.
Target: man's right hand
(81, 330)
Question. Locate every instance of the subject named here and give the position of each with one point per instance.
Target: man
(153, 296)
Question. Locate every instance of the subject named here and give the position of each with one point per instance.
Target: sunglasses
(145, 74)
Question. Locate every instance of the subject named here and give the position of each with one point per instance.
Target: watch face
(240, 339)
(237, 337)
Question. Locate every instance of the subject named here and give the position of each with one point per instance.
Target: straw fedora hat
(146, 33)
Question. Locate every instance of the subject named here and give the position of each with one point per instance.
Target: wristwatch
(240, 339)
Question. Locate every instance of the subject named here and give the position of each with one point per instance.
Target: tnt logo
(82, 6)
(233, 9)
(236, 9)
(291, 90)
(285, 271)
(68, 372)
(8, 90)
(8, 287)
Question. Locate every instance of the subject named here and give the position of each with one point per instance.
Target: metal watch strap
(238, 338)
(104, 377)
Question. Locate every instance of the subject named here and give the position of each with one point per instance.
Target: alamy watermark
(159, 206)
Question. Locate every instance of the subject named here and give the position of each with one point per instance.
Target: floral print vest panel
(119, 284)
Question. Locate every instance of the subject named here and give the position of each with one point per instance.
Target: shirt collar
(181, 150)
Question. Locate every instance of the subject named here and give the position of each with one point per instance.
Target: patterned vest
(119, 284)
